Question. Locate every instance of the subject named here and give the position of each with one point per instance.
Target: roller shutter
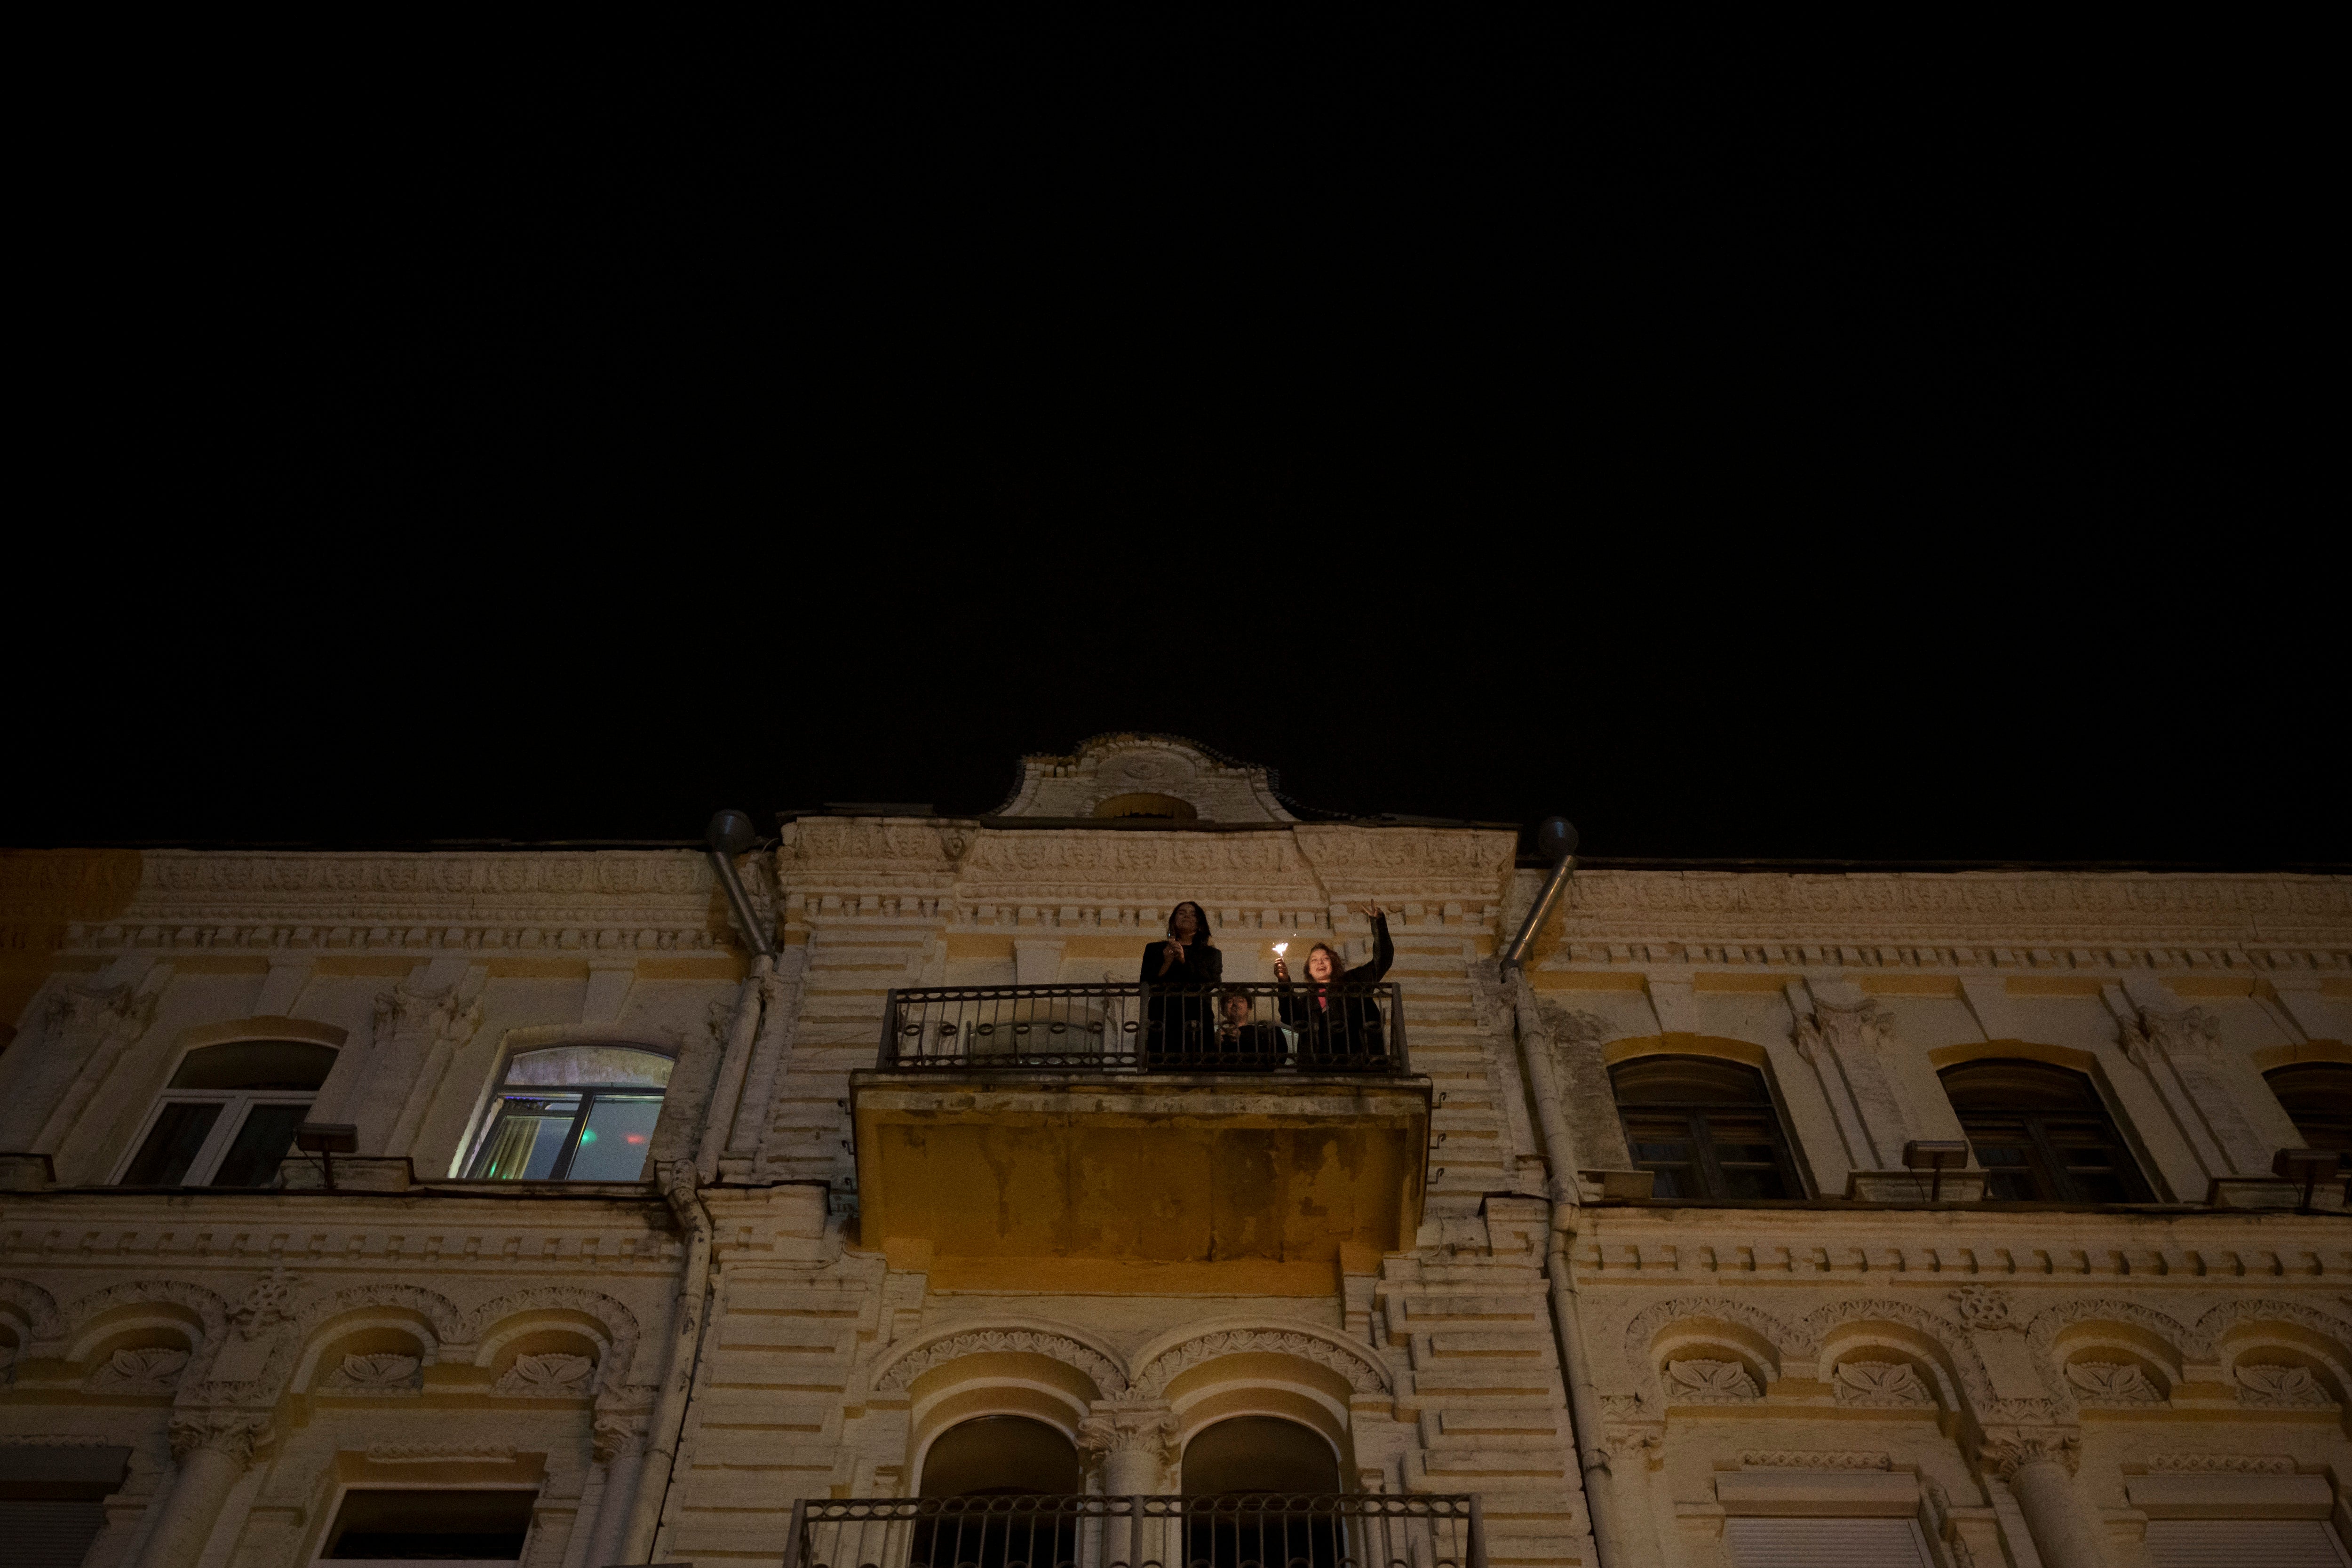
(46, 1533)
(2234, 1542)
(1831, 1543)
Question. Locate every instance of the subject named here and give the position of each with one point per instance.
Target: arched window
(1255, 1474)
(228, 1115)
(2042, 1134)
(1001, 1456)
(1705, 1126)
(993, 1460)
(576, 1113)
(2318, 1099)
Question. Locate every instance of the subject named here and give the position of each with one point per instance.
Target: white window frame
(238, 1103)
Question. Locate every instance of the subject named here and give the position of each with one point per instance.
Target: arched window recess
(577, 1113)
(2042, 1134)
(228, 1115)
(1704, 1127)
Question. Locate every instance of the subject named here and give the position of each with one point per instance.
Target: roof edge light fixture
(1557, 839)
(730, 835)
(2308, 1166)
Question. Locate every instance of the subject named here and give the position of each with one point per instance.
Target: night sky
(1473, 427)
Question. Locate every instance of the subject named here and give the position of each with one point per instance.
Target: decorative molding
(1797, 1459)
(2191, 1031)
(1697, 1381)
(1884, 1384)
(2098, 910)
(36, 1306)
(78, 1017)
(236, 1435)
(2219, 1464)
(1363, 1375)
(377, 1374)
(2111, 1382)
(619, 1323)
(149, 1371)
(2213, 1324)
(267, 1303)
(1621, 1407)
(441, 1453)
(1103, 1373)
(618, 1437)
(1122, 1426)
(1985, 1309)
(2043, 1332)
(1968, 1364)
(210, 1311)
(449, 1015)
(1865, 1026)
(549, 1377)
(2006, 1456)
(2280, 1388)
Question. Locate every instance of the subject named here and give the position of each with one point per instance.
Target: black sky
(1882, 458)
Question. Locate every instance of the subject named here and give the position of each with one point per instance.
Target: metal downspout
(666, 1427)
(730, 835)
(1559, 1155)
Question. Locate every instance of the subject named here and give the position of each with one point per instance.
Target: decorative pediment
(1142, 778)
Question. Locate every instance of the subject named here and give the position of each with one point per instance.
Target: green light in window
(589, 1136)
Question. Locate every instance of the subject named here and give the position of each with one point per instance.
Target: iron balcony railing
(1236, 1029)
(1228, 1531)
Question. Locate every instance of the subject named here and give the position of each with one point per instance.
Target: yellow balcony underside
(1149, 1184)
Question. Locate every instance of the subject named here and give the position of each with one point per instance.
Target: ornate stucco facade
(665, 1364)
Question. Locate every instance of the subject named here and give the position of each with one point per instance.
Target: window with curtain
(574, 1113)
(1705, 1127)
(228, 1115)
(2042, 1134)
(2318, 1099)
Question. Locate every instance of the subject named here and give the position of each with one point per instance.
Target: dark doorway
(997, 1493)
(1261, 1492)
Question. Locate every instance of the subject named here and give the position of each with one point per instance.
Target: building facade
(641, 1239)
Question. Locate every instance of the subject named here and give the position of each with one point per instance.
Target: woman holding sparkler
(1340, 1031)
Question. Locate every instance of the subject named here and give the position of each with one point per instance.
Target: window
(2318, 1101)
(2228, 1542)
(999, 1457)
(382, 1524)
(228, 1115)
(52, 1501)
(1826, 1544)
(1705, 1127)
(1246, 1457)
(2042, 1134)
(574, 1113)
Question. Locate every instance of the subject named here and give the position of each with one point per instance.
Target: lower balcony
(1234, 1531)
(1114, 1138)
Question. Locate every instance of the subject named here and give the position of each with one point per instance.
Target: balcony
(1127, 1137)
(1232, 1531)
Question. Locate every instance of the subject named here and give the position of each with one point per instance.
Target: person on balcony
(1179, 972)
(1242, 1043)
(1340, 1031)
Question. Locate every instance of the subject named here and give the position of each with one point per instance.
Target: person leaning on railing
(1340, 1034)
(1187, 963)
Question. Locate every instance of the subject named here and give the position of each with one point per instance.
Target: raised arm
(1383, 950)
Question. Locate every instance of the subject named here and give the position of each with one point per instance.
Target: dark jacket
(1343, 1034)
(1176, 1026)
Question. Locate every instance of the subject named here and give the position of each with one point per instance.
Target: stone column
(2040, 1469)
(1134, 1441)
(211, 1450)
(620, 1447)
